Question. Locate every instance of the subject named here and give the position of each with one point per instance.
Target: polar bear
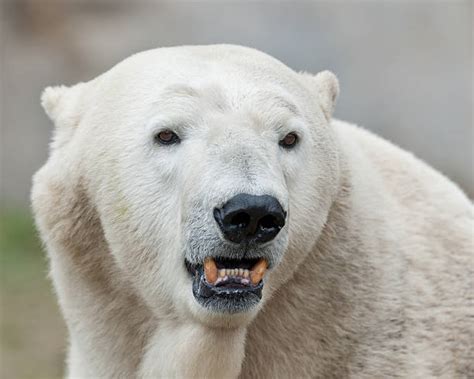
(205, 216)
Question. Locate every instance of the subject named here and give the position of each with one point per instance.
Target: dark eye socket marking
(290, 141)
(167, 137)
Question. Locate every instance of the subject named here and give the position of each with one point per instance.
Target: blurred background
(405, 70)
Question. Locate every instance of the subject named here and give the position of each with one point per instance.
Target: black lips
(224, 299)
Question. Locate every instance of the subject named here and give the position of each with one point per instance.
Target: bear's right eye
(289, 141)
(167, 137)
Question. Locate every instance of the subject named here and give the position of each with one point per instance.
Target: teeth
(210, 270)
(258, 271)
(213, 274)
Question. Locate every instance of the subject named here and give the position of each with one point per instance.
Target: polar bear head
(211, 170)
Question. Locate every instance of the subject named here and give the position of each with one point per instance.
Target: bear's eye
(167, 137)
(289, 141)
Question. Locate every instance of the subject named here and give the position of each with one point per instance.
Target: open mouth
(228, 285)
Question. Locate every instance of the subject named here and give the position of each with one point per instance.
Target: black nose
(246, 218)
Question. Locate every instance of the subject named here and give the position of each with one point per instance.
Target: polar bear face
(212, 170)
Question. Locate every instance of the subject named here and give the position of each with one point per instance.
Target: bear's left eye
(289, 141)
(167, 137)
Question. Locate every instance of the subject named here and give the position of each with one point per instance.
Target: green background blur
(405, 69)
(32, 332)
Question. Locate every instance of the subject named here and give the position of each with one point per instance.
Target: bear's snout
(249, 218)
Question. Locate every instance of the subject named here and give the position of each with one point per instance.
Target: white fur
(372, 274)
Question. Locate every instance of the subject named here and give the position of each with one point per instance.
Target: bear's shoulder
(411, 181)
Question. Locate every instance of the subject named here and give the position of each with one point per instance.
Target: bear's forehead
(199, 78)
(236, 70)
(215, 94)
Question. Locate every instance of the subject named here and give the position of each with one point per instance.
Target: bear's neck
(186, 349)
(115, 335)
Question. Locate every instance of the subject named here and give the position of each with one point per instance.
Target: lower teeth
(237, 272)
(237, 279)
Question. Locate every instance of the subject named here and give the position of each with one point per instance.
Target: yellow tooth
(227, 271)
(258, 271)
(222, 272)
(210, 270)
(246, 274)
(241, 271)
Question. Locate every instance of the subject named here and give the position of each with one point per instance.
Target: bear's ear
(62, 104)
(326, 86)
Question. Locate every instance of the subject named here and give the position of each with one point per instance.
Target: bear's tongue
(215, 275)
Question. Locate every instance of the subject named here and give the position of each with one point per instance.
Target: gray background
(405, 68)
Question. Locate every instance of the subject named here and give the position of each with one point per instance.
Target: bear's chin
(214, 317)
